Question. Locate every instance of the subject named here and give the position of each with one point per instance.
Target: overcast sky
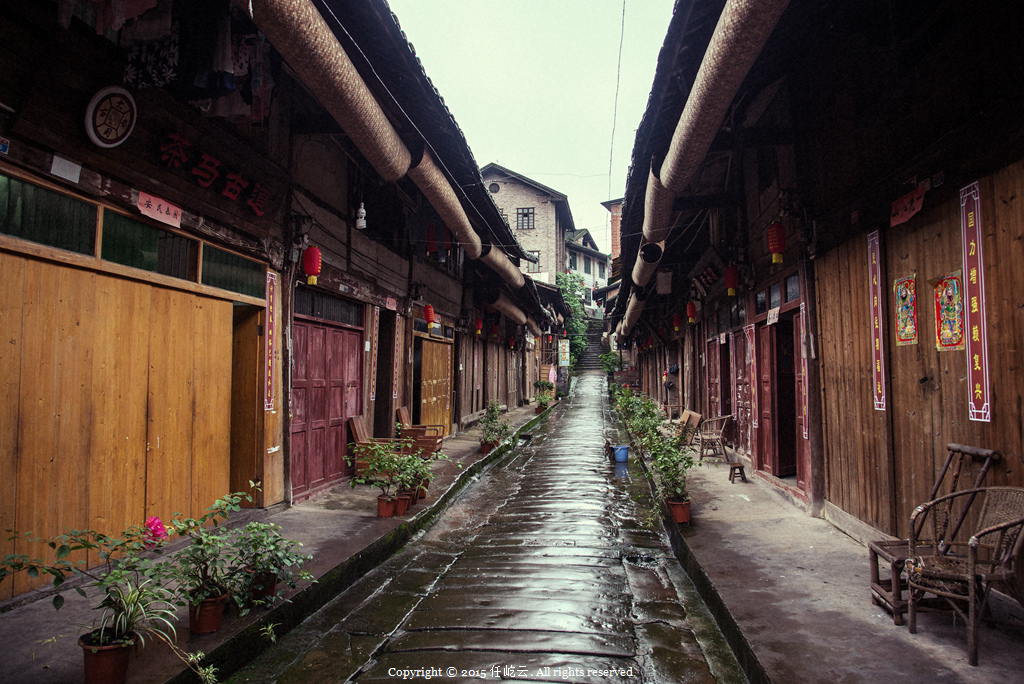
(531, 83)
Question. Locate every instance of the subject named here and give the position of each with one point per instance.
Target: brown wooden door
(435, 384)
(714, 381)
(742, 410)
(803, 448)
(766, 428)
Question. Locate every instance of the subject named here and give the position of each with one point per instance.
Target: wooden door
(714, 381)
(766, 428)
(742, 410)
(435, 384)
(344, 397)
(803, 445)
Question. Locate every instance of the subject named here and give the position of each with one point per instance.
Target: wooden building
(834, 193)
(160, 203)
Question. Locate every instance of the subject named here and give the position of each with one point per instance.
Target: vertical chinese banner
(755, 381)
(877, 318)
(974, 298)
(268, 342)
(398, 352)
(732, 369)
(373, 355)
(804, 353)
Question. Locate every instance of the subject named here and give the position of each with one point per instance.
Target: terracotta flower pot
(402, 503)
(105, 664)
(208, 616)
(263, 586)
(485, 447)
(680, 510)
(385, 507)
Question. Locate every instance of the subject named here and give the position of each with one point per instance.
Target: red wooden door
(714, 379)
(766, 428)
(803, 446)
(325, 392)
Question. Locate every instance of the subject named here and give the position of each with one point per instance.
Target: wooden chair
(360, 437)
(711, 441)
(688, 423)
(960, 573)
(889, 592)
(426, 438)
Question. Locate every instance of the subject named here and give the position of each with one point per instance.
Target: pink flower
(155, 531)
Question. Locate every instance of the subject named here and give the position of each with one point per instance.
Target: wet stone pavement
(551, 567)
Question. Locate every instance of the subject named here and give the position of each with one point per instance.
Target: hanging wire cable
(615, 109)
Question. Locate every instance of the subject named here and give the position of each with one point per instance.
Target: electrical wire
(615, 106)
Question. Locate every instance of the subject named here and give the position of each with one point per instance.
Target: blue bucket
(622, 453)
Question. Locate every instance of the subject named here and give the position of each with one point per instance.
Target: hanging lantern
(677, 321)
(691, 312)
(494, 330)
(565, 333)
(661, 332)
(511, 343)
(732, 279)
(428, 314)
(776, 234)
(311, 264)
(550, 338)
(478, 324)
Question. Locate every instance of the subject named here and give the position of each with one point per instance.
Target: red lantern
(494, 329)
(677, 321)
(479, 325)
(650, 343)
(311, 264)
(691, 312)
(511, 343)
(776, 235)
(428, 314)
(550, 337)
(732, 279)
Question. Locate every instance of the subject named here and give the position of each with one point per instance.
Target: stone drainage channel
(552, 566)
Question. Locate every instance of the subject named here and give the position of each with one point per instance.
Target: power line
(615, 114)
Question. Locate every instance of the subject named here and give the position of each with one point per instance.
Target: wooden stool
(734, 470)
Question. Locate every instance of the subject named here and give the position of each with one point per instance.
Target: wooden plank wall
(115, 402)
(858, 472)
(927, 389)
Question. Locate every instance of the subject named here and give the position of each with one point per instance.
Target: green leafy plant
(544, 386)
(383, 464)
(208, 567)
(610, 362)
(543, 399)
(264, 554)
(496, 429)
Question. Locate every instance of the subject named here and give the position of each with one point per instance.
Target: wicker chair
(960, 575)
(712, 443)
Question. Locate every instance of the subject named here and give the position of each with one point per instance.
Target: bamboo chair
(993, 557)
(889, 592)
(426, 438)
(712, 442)
(360, 437)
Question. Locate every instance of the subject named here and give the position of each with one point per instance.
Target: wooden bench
(425, 438)
(360, 437)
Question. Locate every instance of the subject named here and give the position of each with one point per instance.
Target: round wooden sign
(110, 117)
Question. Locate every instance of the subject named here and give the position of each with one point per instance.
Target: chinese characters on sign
(373, 360)
(208, 172)
(563, 352)
(804, 353)
(398, 352)
(904, 295)
(159, 209)
(877, 330)
(949, 312)
(907, 206)
(974, 296)
(269, 348)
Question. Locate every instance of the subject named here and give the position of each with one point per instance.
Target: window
(775, 296)
(760, 303)
(524, 218)
(49, 218)
(600, 269)
(586, 265)
(231, 272)
(792, 287)
(533, 267)
(140, 245)
(572, 261)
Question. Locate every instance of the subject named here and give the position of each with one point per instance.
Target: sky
(532, 85)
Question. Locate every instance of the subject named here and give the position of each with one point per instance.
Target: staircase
(590, 360)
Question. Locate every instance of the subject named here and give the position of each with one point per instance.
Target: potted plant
(671, 463)
(543, 399)
(134, 604)
(495, 429)
(383, 466)
(268, 559)
(206, 571)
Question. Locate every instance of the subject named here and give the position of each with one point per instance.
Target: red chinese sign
(209, 173)
(877, 330)
(269, 348)
(974, 298)
(907, 206)
(159, 209)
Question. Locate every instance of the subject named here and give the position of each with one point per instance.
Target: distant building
(539, 217)
(590, 263)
